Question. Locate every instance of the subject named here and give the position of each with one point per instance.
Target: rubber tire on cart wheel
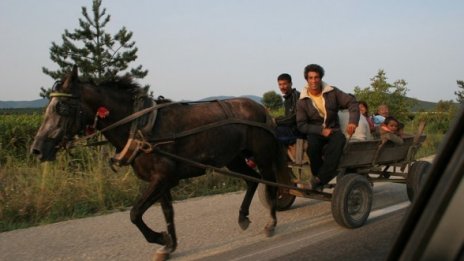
(352, 200)
(416, 178)
(284, 200)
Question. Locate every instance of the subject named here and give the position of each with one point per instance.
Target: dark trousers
(324, 154)
(287, 135)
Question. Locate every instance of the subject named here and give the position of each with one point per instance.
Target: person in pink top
(364, 111)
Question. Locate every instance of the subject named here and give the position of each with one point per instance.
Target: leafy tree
(272, 100)
(444, 106)
(98, 55)
(381, 92)
(460, 93)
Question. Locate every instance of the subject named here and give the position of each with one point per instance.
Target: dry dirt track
(200, 222)
(206, 226)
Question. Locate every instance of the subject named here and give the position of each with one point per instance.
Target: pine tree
(98, 55)
(460, 93)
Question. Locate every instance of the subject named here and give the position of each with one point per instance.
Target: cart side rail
(373, 152)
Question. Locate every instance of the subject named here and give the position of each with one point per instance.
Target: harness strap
(214, 125)
(135, 116)
(226, 109)
(138, 103)
(151, 120)
(62, 94)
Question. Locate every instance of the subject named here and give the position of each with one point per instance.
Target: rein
(123, 121)
(178, 135)
(136, 141)
(236, 174)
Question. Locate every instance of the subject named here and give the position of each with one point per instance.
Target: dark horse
(74, 104)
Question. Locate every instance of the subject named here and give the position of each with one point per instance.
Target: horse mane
(127, 83)
(124, 83)
(161, 100)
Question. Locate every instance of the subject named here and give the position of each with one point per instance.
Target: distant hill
(253, 97)
(43, 102)
(420, 105)
(23, 104)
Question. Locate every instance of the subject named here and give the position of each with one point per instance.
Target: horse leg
(239, 165)
(168, 211)
(268, 172)
(243, 219)
(270, 226)
(148, 198)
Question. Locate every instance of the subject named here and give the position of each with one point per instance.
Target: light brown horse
(74, 104)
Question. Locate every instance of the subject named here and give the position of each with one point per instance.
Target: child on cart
(391, 130)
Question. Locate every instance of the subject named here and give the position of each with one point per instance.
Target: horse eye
(62, 109)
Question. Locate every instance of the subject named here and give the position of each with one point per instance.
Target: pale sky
(199, 48)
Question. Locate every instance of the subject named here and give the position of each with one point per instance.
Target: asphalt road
(207, 229)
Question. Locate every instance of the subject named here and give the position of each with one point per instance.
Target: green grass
(61, 190)
(82, 184)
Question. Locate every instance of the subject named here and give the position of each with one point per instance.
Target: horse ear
(72, 76)
(74, 72)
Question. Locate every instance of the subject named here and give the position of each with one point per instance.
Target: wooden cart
(362, 164)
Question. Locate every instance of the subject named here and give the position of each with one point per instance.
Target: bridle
(69, 108)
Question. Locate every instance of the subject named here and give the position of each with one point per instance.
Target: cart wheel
(415, 178)
(284, 200)
(352, 201)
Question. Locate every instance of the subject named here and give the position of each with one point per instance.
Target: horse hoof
(269, 231)
(169, 244)
(162, 254)
(244, 223)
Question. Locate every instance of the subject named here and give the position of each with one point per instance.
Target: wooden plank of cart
(362, 164)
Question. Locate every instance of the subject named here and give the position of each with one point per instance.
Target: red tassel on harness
(102, 112)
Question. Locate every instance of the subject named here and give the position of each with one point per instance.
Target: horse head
(76, 106)
(62, 119)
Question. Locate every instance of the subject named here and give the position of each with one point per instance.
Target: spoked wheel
(416, 178)
(284, 200)
(352, 200)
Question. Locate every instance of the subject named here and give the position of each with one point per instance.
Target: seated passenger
(391, 130)
(364, 111)
(382, 113)
(286, 130)
(361, 133)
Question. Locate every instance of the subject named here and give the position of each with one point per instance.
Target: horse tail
(281, 162)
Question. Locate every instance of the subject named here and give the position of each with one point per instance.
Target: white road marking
(387, 210)
(290, 243)
(325, 233)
